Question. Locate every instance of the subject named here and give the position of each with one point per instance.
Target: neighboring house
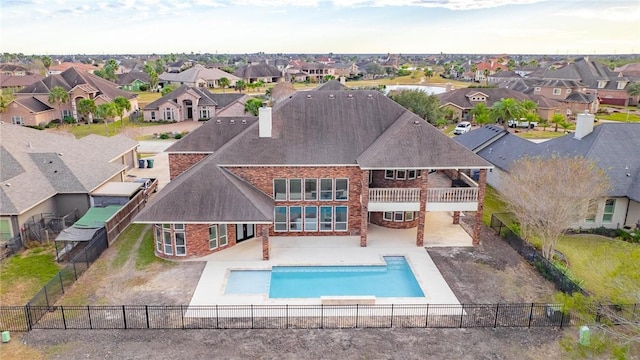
(490, 67)
(345, 69)
(612, 146)
(13, 70)
(259, 72)
(502, 76)
(179, 66)
(281, 91)
(312, 71)
(131, 81)
(61, 67)
(188, 103)
(44, 173)
(321, 163)
(462, 101)
(198, 76)
(18, 82)
(31, 104)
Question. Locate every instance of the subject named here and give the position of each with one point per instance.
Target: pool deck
(334, 250)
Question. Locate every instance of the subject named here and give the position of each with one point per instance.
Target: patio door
(245, 231)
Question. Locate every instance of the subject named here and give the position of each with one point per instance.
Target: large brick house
(320, 163)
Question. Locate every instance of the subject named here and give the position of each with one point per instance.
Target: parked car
(462, 127)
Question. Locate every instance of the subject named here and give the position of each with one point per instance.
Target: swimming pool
(395, 279)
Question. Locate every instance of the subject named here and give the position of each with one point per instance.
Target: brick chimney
(584, 125)
(264, 121)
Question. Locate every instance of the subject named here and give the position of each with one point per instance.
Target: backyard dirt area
(490, 273)
(504, 343)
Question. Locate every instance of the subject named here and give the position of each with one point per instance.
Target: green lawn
(619, 116)
(146, 256)
(609, 268)
(492, 204)
(125, 242)
(23, 275)
(112, 128)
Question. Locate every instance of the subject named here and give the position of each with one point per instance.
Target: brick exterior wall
(378, 181)
(197, 239)
(179, 163)
(262, 178)
(482, 187)
(377, 218)
(364, 207)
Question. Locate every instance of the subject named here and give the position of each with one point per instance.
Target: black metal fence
(55, 288)
(25, 318)
(531, 254)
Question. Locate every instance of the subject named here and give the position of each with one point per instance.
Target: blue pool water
(395, 279)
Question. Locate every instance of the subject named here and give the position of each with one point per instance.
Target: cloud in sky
(348, 26)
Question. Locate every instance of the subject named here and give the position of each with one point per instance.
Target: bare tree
(547, 196)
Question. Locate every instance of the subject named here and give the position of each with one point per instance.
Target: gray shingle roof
(223, 197)
(33, 104)
(332, 85)
(197, 72)
(209, 137)
(37, 165)
(461, 97)
(128, 78)
(257, 71)
(205, 97)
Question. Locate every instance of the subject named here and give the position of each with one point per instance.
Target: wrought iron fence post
(75, 272)
(391, 316)
(64, 321)
(357, 313)
(182, 314)
(287, 314)
(60, 278)
(27, 317)
(124, 317)
(217, 318)
(146, 313)
(530, 316)
(426, 317)
(562, 317)
(495, 321)
(89, 313)
(461, 314)
(252, 316)
(322, 316)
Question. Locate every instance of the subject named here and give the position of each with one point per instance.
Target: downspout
(626, 215)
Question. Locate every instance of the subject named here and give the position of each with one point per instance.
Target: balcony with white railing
(394, 199)
(438, 199)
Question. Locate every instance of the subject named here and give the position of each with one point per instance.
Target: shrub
(69, 120)
(164, 136)
(177, 136)
(144, 87)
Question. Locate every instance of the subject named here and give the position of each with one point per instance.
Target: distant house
(198, 76)
(612, 146)
(16, 77)
(13, 70)
(31, 104)
(43, 173)
(259, 72)
(345, 69)
(189, 103)
(131, 81)
(462, 101)
(179, 66)
(485, 68)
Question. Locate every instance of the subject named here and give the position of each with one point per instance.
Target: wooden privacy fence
(120, 220)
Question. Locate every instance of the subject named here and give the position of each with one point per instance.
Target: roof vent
(331, 96)
(244, 121)
(309, 96)
(218, 121)
(232, 121)
(370, 96)
(416, 123)
(350, 96)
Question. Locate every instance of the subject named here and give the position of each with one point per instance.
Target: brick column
(477, 222)
(364, 208)
(423, 208)
(263, 230)
(456, 217)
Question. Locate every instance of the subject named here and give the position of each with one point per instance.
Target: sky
(53, 27)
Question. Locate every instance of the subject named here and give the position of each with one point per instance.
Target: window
(592, 209)
(342, 189)
(557, 91)
(311, 218)
(401, 175)
(398, 216)
(609, 207)
(280, 218)
(622, 85)
(17, 120)
(326, 218)
(153, 115)
(295, 189)
(168, 247)
(326, 189)
(387, 216)
(408, 216)
(213, 237)
(601, 84)
(66, 112)
(341, 218)
(311, 189)
(568, 91)
(295, 218)
(411, 174)
(280, 189)
(181, 244)
(223, 234)
(536, 89)
(389, 174)
(168, 114)
(418, 173)
(204, 113)
(178, 227)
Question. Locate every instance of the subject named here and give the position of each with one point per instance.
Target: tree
(46, 61)
(511, 64)
(252, 106)
(548, 196)
(486, 73)
(153, 75)
(167, 89)
(109, 70)
(6, 96)
(634, 89)
(428, 73)
(224, 82)
(506, 109)
(87, 107)
(420, 103)
(122, 104)
(58, 96)
(159, 66)
(557, 119)
(530, 108)
(241, 85)
(328, 78)
(480, 113)
(106, 111)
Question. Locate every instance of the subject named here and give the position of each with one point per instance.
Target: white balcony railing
(452, 195)
(394, 195)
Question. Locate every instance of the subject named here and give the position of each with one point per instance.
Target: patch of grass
(146, 256)
(125, 242)
(16, 349)
(492, 204)
(549, 133)
(619, 116)
(23, 275)
(609, 268)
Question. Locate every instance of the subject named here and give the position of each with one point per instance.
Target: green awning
(96, 216)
